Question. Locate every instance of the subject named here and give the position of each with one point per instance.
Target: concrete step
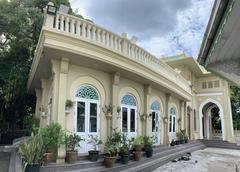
(166, 156)
(220, 144)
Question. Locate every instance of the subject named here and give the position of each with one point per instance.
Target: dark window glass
(174, 124)
(153, 121)
(195, 120)
(132, 120)
(124, 120)
(81, 117)
(170, 123)
(93, 117)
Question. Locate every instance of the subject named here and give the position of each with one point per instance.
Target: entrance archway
(211, 120)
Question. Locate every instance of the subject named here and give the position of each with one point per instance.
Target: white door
(128, 120)
(156, 127)
(87, 122)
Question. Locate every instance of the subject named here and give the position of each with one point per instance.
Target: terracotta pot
(137, 155)
(71, 156)
(109, 161)
(48, 157)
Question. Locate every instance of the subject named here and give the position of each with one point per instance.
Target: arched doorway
(129, 115)
(172, 123)
(155, 122)
(211, 120)
(87, 121)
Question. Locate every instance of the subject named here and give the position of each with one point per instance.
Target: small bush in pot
(31, 151)
(53, 136)
(148, 145)
(111, 150)
(124, 149)
(172, 143)
(180, 137)
(94, 154)
(137, 148)
(72, 143)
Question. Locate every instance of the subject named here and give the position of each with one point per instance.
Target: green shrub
(72, 142)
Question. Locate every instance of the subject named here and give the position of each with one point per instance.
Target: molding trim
(210, 94)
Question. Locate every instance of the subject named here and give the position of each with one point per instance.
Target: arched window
(128, 108)
(155, 115)
(87, 92)
(155, 105)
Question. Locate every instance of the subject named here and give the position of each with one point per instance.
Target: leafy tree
(20, 26)
(235, 102)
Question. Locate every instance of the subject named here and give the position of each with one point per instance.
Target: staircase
(162, 154)
(220, 144)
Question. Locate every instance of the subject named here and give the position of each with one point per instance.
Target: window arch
(128, 99)
(155, 105)
(87, 92)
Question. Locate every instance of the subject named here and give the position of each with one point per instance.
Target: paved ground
(4, 161)
(207, 160)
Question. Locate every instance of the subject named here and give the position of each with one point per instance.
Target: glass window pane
(170, 123)
(157, 122)
(174, 123)
(153, 121)
(132, 120)
(124, 120)
(81, 117)
(93, 117)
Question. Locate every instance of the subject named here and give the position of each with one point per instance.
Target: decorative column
(61, 118)
(182, 114)
(38, 103)
(146, 122)
(114, 101)
(43, 107)
(166, 120)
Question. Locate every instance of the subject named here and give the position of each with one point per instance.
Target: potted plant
(137, 148)
(53, 136)
(124, 149)
(110, 149)
(68, 105)
(94, 154)
(31, 151)
(172, 143)
(148, 145)
(179, 135)
(72, 142)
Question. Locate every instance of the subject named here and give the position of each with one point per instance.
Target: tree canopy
(20, 26)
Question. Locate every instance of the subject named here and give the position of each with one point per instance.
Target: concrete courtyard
(207, 160)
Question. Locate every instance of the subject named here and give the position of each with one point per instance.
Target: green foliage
(148, 142)
(235, 102)
(53, 136)
(125, 145)
(31, 123)
(72, 141)
(69, 103)
(20, 23)
(95, 141)
(112, 145)
(32, 149)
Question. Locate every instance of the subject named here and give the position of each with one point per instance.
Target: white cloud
(163, 27)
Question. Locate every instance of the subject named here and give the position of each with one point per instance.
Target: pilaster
(166, 123)
(61, 116)
(38, 103)
(146, 122)
(114, 100)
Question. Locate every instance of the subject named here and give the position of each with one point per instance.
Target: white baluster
(111, 41)
(98, 35)
(62, 23)
(67, 24)
(120, 44)
(72, 26)
(89, 31)
(103, 37)
(57, 22)
(84, 30)
(94, 33)
(78, 28)
(107, 39)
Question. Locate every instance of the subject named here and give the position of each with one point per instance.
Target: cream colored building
(79, 61)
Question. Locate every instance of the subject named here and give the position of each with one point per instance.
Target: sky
(163, 27)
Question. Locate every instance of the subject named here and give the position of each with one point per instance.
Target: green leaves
(72, 141)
